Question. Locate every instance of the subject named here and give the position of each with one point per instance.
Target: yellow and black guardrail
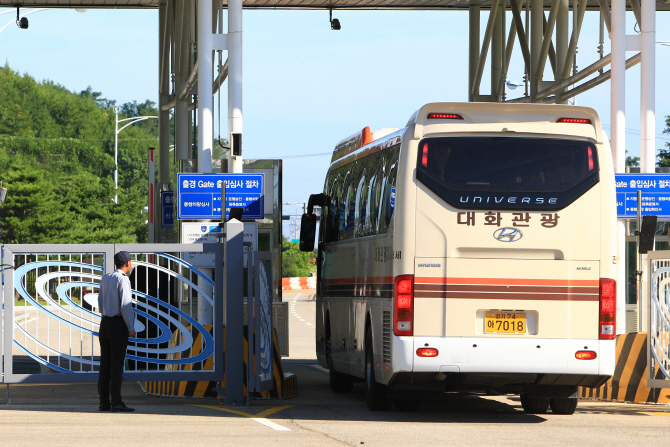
(285, 385)
(629, 383)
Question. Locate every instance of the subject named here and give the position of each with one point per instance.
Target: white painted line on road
(270, 424)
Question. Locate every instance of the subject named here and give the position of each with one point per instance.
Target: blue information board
(655, 195)
(200, 195)
(167, 209)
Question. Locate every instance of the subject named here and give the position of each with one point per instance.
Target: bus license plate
(505, 323)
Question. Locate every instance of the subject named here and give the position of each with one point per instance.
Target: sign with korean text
(209, 233)
(167, 209)
(199, 195)
(655, 195)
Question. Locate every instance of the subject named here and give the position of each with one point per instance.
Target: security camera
(21, 22)
(334, 23)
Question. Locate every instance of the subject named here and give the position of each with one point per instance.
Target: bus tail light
(574, 120)
(607, 326)
(426, 352)
(444, 116)
(403, 305)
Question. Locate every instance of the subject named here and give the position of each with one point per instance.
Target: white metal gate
(658, 318)
(51, 319)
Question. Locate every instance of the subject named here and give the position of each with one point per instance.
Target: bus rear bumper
(506, 355)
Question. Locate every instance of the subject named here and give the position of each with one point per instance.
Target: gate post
(234, 312)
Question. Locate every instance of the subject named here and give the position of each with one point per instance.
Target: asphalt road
(67, 415)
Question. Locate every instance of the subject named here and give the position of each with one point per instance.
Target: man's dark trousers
(113, 342)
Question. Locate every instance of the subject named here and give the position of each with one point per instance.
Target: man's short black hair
(121, 259)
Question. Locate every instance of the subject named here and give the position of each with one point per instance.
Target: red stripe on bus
(508, 296)
(508, 281)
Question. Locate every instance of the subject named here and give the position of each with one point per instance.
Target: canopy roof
(661, 5)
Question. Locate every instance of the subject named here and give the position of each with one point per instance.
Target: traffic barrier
(298, 283)
(285, 385)
(629, 383)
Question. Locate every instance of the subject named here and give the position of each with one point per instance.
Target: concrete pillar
(205, 80)
(648, 88)
(618, 142)
(234, 79)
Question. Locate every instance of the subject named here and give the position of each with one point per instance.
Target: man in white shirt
(118, 323)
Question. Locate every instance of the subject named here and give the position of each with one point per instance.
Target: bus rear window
(459, 169)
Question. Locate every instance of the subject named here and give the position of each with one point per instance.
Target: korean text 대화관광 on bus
(473, 250)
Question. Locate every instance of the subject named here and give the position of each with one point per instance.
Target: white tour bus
(473, 250)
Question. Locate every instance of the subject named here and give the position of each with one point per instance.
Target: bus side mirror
(307, 232)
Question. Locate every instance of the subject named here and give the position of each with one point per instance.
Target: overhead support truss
(543, 36)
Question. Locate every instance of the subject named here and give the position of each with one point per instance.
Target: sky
(307, 87)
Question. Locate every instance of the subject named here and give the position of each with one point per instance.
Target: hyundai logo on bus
(508, 234)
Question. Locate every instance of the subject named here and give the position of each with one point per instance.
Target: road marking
(309, 324)
(260, 417)
(655, 414)
(319, 368)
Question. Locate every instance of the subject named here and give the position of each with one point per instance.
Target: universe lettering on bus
(547, 220)
(524, 200)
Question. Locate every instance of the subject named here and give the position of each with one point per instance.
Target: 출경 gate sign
(655, 195)
(199, 195)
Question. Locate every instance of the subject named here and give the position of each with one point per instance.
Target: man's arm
(126, 305)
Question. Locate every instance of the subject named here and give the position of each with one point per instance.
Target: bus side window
(369, 207)
(359, 216)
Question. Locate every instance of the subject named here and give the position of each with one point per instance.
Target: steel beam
(536, 34)
(509, 47)
(607, 15)
(473, 50)
(573, 41)
(546, 38)
(588, 71)
(485, 46)
(523, 40)
(631, 62)
(497, 42)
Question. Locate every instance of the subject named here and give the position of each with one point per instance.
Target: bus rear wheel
(376, 395)
(563, 405)
(534, 405)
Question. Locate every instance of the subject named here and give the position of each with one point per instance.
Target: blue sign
(655, 195)
(167, 209)
(200, 195)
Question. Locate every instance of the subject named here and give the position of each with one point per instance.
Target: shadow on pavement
(315, 401)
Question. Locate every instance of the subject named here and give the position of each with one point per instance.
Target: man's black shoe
(121, 408)
(104, 407)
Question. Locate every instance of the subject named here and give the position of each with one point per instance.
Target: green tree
(296, 263)
(664, 154)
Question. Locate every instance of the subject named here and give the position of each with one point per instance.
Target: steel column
(234, 79)
(233, 316)
(536, 33)
(497, 52)
(164, 40)
(181, 116)
(485, 45)
(205, 78)
(474, 13)
(618, 141)
(648, 87)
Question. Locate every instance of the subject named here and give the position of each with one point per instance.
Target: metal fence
(658, 319)
(51, 319)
